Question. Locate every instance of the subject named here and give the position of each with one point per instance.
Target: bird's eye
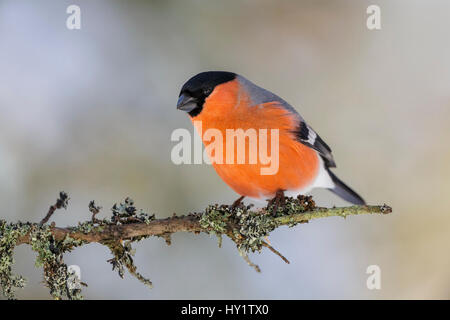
(207, 91)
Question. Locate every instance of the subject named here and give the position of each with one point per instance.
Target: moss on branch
(243, 225)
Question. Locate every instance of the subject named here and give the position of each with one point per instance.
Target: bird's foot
(237, 203)
(278, 200)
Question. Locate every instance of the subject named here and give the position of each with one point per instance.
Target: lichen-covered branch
(246, 227)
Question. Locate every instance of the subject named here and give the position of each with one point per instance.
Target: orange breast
(230, 107)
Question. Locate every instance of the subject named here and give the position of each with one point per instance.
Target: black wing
(306, 135)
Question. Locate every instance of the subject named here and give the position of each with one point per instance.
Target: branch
(61, 202)
(246, 227)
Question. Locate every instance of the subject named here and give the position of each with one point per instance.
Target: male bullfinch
(224, 100)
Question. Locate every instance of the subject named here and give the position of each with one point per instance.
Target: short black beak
(186, 103)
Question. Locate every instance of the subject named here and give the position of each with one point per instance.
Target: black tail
(344, 191)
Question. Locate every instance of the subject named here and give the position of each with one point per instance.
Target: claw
(237, 202)
(278, 200)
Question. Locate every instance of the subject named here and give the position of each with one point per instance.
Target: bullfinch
(224, 101)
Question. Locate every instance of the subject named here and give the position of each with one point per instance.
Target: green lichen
(245, 227)
(145, 217)
(50, 257)
(253, 228)
(123, 258)
(125, 212)
(292, 206)
(248, 228)
(88, 227)
(215, 219)
(9, 235)
(122, 213)
(69, 243)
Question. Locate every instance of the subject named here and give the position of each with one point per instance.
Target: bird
(223, 100)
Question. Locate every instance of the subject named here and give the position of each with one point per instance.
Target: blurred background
(91, 112)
